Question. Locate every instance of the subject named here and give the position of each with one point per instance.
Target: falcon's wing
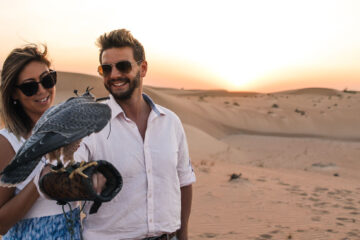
(49, 113)
(61, 126)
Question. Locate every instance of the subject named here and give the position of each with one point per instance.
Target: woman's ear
(15, 95)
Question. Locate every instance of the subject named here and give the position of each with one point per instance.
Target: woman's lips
(43, 100)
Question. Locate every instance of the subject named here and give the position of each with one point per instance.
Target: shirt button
(150, 220)
(148, 170)
(150, 195)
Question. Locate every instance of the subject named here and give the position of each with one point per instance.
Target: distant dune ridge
(313, 91)
(294, 155)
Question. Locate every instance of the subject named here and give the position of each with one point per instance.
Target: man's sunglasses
(122, 66)
(31, 88)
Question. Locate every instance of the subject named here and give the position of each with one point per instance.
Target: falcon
(58, 134)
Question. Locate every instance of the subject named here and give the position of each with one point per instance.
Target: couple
(146, 144)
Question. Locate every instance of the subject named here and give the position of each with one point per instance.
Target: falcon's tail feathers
(21, 173)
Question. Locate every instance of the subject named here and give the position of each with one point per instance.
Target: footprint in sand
(343, 192)
(323, 165)
(284, 184)
(334, 195)
(204, 166)
(265, 236)
(316, 219)
(208, 235)
(321, 204)
(314, 199)
(296, 191)
(350, 208)
(343, 219)
(331, 231)
(275, 231)
(320, 212)
(308, 206)
(354, 213)
(354, 233)
(320, 189)
(261, 180)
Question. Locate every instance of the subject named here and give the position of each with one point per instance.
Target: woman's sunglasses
(31, 88)
(122, 66)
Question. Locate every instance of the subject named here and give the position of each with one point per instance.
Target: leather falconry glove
(62, 187)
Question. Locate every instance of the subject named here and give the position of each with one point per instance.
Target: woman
(27, 91)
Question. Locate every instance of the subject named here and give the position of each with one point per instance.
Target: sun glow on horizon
(233, 45)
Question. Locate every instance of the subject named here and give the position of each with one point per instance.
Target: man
(147, 144)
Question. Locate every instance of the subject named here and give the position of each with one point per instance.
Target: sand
(295, 154)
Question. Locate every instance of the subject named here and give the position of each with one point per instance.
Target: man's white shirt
(153, 171)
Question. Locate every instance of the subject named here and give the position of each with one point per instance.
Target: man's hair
(13, 115)
(121, 38)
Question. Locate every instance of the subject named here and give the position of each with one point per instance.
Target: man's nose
(115, 73)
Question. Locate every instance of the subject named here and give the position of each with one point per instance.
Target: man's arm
(186, 178)
(186, 198)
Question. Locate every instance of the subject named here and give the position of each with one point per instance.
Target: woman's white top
(42, 207)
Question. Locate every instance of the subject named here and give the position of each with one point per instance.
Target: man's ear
(143, 68)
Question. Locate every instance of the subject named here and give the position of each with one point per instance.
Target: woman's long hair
(12, 113)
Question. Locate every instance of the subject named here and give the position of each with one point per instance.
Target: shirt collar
(153, 106)
(116, 108)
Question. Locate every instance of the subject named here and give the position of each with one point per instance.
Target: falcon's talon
(80, 173)
(81, 168)
(57, 170)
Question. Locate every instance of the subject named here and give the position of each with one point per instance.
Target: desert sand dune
(296, 152)
(292, 158)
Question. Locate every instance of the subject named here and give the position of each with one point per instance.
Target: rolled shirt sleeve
(184, 168)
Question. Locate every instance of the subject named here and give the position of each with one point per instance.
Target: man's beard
(133, 84)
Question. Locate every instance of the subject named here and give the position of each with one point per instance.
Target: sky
(257, 45)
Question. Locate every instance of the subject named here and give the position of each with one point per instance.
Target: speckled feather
(60, 125)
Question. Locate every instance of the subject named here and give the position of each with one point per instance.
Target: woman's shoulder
(7, 151)
(4, 131)
(5, 139)
(6, 136)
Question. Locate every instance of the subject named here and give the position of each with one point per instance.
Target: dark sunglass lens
(53, 74)
(29, 88)
(124, 66)
(49, 80)
(106, 69)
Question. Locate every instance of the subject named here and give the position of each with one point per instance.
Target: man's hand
(99, 182)
(186, 198)
(46, 169)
